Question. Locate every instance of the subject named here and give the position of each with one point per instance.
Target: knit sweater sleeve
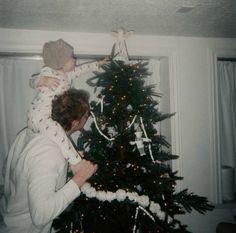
(44, 172)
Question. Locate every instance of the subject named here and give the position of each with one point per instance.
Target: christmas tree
(134, 189)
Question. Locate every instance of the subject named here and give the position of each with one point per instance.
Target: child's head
(58, 55)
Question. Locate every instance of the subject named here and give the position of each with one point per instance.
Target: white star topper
(120, 48)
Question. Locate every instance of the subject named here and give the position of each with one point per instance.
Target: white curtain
(154, 69)
(227, 112)
(16, 95)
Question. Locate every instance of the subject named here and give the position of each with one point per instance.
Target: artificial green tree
(134, 189)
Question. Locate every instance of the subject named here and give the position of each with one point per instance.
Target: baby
(55, 78)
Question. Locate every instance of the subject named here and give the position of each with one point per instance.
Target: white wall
(190, 87)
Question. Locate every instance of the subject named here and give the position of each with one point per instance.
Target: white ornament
(133, 196)
(110, 196)
(144, 200)
(91, 193)
(120, 195)
(101, 195)
(139, 142)
(85, 187)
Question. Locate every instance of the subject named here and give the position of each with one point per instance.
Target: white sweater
(35, 189)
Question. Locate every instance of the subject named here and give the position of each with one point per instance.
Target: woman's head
(71, 108)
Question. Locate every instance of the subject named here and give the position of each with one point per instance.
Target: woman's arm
(45, 171)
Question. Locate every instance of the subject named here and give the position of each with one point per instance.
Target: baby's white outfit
(39, 114)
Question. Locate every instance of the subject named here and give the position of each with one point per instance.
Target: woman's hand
(84, 170)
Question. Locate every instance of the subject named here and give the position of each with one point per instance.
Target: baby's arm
(33, 81)
(47, 81)
(44, 79)
(90, 66)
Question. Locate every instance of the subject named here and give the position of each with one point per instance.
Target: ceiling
(197, 18)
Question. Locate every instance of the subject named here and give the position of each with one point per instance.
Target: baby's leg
(56, 133)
